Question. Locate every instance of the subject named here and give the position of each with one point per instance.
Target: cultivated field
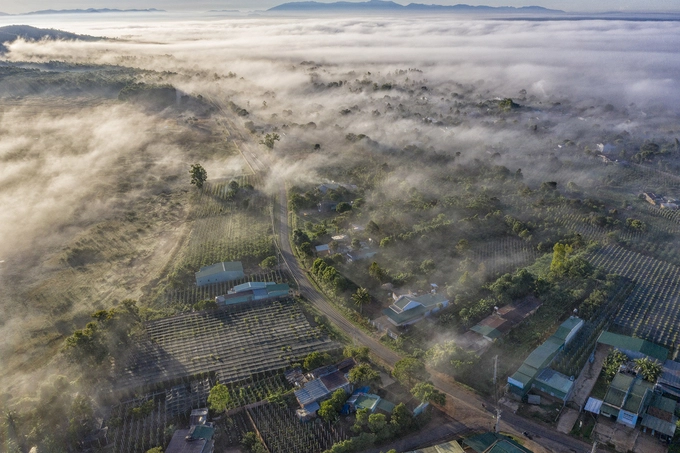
(224, 342)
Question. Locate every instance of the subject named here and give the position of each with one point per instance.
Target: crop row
(652, 311)
(504, 255)
(283, 433)
(223, 341)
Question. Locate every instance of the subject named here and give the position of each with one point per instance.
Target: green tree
(207, 304)
(427, 393)
(330, 409)
(409, 371)
(401, 418)
(560, 259)
(648, 368)
(269, 262)
(86, 346)
(359, 353)
(363, 374)
(219, 398)
(376, 422)
(343, 206)
(361, 420)
(198, 175)
(378, 273)
(270, 139)
(315, 360)
(360, 298)
(155, 450)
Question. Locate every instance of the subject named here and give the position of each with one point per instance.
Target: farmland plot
(225, 342)
(504, 255)
(652, 311)
(283, 433)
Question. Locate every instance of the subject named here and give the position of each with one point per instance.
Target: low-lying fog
(279, 69)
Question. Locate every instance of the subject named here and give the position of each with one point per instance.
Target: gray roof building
(219, 272)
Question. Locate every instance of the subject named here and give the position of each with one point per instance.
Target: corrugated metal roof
(626, 343)
(593, 405)
(658, 425)
(543, 355)
(334, 381)
(670, 374)
(231, 266)
(313, 391)
(554, 380)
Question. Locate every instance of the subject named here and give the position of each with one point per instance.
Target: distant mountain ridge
(91, 10)
(381, 5)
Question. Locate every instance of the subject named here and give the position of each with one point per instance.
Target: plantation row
(504, 255)
(573, 357)
(184, 299)
(283, 433)
(652, 311)
(231, 237)
(223, 341)
(217, 198)
(256, 388)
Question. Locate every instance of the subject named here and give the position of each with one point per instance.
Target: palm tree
(648, 368)
(361, 297)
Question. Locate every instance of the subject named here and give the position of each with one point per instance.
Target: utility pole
(495, 392)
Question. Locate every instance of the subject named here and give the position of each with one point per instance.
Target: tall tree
(427, 393)
(360, 298)
(198, 175)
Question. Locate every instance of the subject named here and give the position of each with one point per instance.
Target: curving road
(459, 397)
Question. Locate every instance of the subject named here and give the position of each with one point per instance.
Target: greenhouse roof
(543, 355)
(626, 343)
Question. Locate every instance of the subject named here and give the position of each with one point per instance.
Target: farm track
(466, 406)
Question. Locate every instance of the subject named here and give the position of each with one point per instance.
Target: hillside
(11, 33)
(380, 5)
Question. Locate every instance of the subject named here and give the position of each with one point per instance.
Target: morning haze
(339, 232)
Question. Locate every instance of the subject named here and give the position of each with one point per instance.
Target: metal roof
(405, 316)
(543, 355)
(334, 381)
(670, 374)
(593, 405)
(231, 266)
(312, 392)
(494, 443)
(251, 285)
(567, 327)
(554, 380)
(639, 345)
(658, 425)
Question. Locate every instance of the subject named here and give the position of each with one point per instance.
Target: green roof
(637, 395)
(639, 345)
(487, 331)
(367, 402)
(628, 393)
(449, 447)
(493, 442)
(427, 300)
(385, 405)
(543, 355)
(663, 403)
(567, 327)
(202, 432)
(231, 266)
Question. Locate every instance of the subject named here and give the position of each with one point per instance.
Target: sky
(14, 7)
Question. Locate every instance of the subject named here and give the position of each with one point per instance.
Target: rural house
(634, 348)
(409, 309)
(197, 439)
(220, 272)
(626, 399)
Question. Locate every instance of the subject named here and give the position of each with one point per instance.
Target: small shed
(219, 272)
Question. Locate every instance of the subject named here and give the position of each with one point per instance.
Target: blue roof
(251, 285)
(312, 407)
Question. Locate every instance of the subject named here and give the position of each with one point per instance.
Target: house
(635, 348)
(626, 399)
(322, 250)
(252, 291)
(669, 381)
(220, 272)
(197, 439)
(494, 443)
(534, 372)
(448, 447)
(409, 309)
(360, 255)
(653, 198)
(326, 381)
(660, 417)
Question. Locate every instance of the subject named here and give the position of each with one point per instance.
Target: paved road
(459, 396)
